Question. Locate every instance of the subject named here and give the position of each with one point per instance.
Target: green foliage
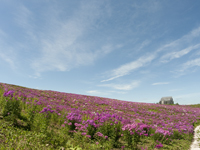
(1, 98)
(177, 135)
(91, 131)
(132, 139)
(195, 106)
(11, 109)
(113, 131)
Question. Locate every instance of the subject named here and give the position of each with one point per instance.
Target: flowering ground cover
(43, 119)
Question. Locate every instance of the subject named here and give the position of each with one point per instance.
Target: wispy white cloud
(94, 92)
(188, 40)
(104, 93)
(144, 44)
(2, 33)
(188, 96)
(130, 86)
(184, 68)
(8, 59)
(23, 17)
(118, 92)
(147, 7)
(7, 52)
(181, 47)
(191, 63)
(127, 68)
(98, 93)
(26, 22)
(198, 53)
(172, 55)
(175, 46)
(160, 83)
(145, 71)
(67, 46)
(175, 90)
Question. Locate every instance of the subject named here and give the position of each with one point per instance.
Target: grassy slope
(18, 137)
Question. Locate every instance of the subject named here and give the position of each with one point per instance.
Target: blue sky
(129, 50)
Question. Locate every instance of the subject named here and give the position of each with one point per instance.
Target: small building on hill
(166, 100)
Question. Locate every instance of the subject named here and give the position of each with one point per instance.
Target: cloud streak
(133, 84)
(187, 43)
(127, 68)
(187, 40)
(67, 46)
(94, 92)
(175, 90)
(187, 96)
(160, 83)
(191, 63)
(173, 55)
(7, 52)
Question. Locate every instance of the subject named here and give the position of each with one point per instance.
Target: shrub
(11, 108)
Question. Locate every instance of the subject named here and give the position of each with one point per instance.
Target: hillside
(57, 120)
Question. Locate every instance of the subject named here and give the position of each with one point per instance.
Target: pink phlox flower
(91, 122)
(143, 126)
(78, 125)
(167, 133)
(39, 103)
(84, 122)
(83, 128)
(159, 146)
(47, 109)
(74, 116)
(7, 93)
(99, 134)
(129, 127)
(83, 133)
(89, 136)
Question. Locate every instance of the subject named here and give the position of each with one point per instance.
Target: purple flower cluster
(164, 132)
(8, 93)
(91, 122)
(99, 134)
(139, 128)
(159, 145)
(74, 117)
(47, 109)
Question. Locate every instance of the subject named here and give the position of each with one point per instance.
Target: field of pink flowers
(103, 122)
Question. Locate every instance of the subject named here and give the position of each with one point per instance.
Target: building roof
(167, 98)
